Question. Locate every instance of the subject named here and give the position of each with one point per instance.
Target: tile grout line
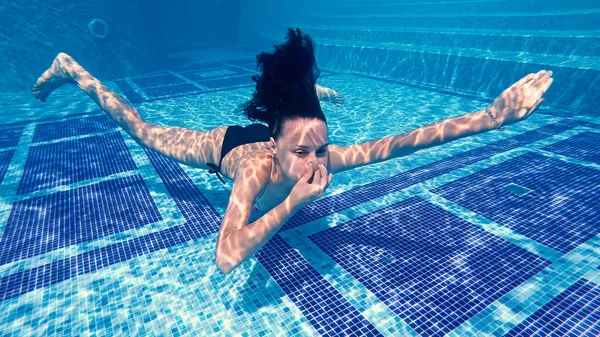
(187, 80)
(137, 89)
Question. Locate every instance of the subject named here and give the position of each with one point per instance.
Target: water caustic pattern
(496, 234)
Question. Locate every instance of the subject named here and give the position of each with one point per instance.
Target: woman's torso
(272, 193)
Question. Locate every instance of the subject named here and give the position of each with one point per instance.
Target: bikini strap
(217, 170)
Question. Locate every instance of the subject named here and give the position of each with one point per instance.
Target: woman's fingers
(541, 79)
(524, 80)
(544, 86)
(317, 177)
(323, 175)
(538, 90)
(535, 106)
(534, 80)
(309, 174)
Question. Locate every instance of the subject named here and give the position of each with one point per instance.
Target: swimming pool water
(100, 236)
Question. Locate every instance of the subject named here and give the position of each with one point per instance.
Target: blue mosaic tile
(249, 65)
(556, 44)
(430, 267)
(323, 305)
(132, 96)
(73, 127)
(584, 20)
(471, 96)
(326, 206)
(589, 125)
(10, 137)
(199, 66)
(187, 196)
(46, 275)
(228, 82)
(5, 158)
(177, 89)
(561, 212)
(157, 80)
(255, 49)
(19, 124)
(66, 162)
(584, 146)
(46, 223)
(248, 60)
(431, 68)
(575, 312)
(216, 73)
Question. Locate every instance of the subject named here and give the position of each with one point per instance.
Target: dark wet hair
(285, 87)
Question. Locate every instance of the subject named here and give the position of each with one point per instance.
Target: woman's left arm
(514, 104)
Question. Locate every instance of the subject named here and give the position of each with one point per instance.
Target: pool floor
(491, 235)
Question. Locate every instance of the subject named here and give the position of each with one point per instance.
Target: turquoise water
(523, 201)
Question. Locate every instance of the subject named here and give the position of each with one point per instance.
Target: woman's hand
(518, 101)
(337, 99)
(311, 185)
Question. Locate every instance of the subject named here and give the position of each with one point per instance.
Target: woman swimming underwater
(287, 163)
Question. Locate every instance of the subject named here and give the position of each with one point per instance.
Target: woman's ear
(273, 146)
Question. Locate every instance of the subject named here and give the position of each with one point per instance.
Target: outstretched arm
(329, 95)
(514, 104)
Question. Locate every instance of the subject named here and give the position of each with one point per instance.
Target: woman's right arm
(238, 241)
(240, 244)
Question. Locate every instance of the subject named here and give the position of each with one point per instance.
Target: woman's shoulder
(253, 174)
(256, 164)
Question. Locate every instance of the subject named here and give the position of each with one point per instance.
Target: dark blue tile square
(430, 267)
(10, 137)
(228, 82)
(71, 161)
(132, 96)
(561, 211)
(584, 146)
(42, 224)
(172, 90)
(157, 80)
(5, 158)
(73, 127)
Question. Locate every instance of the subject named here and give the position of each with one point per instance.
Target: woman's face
(301, 140)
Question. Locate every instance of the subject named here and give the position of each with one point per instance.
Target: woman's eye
(318, 152)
